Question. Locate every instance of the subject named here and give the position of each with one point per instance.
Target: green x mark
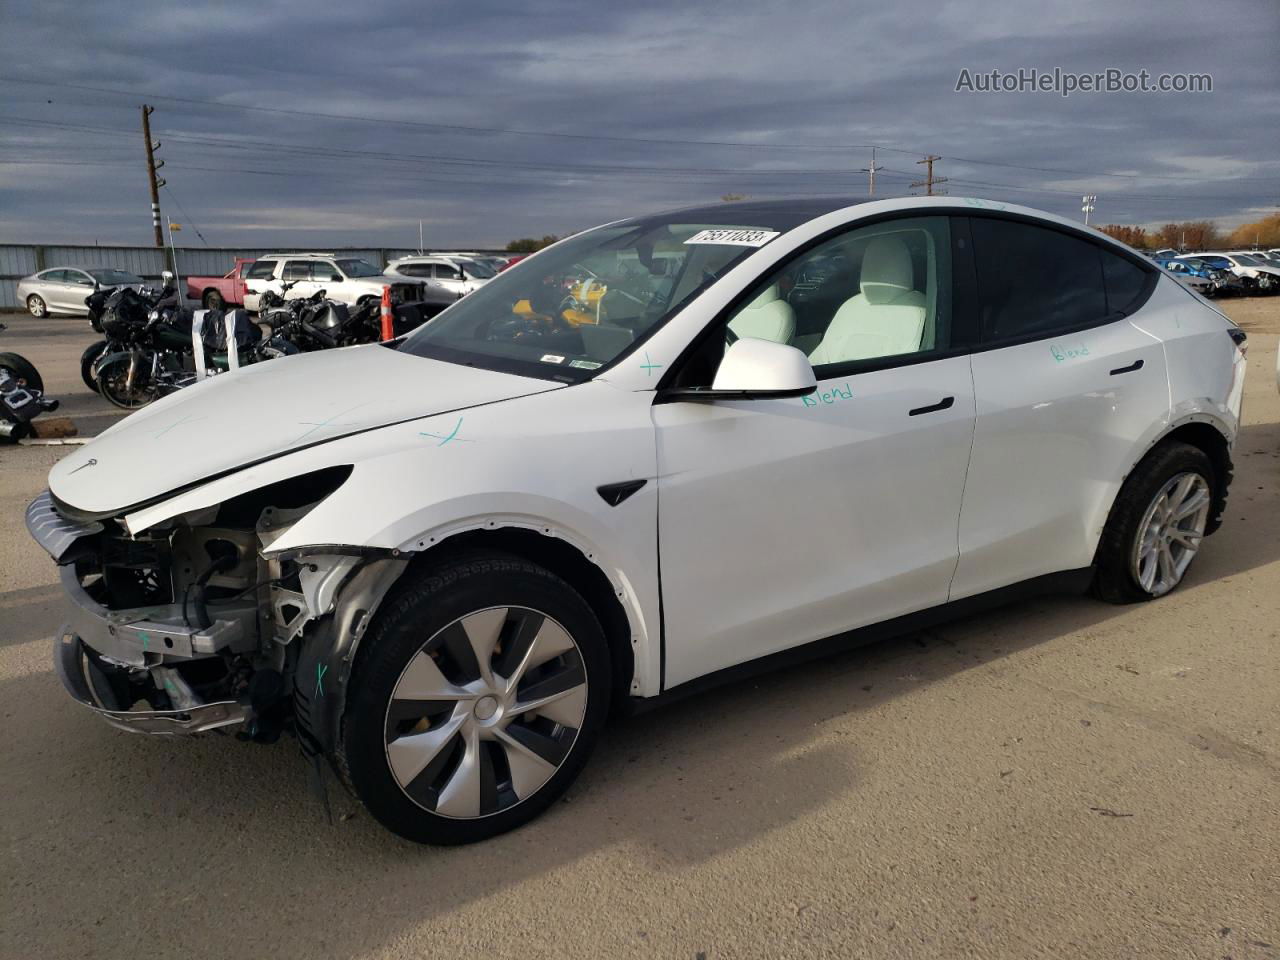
(321, 670)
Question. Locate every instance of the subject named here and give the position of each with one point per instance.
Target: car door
(58, 289)
(298, 274)
(1066, 386)
(450, 280)
(327, 277)
(79, 286)
(783, 521)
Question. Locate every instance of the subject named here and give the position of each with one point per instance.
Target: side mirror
(754, 370)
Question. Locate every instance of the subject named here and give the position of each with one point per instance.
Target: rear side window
(297, 270)
(1033, 281)
(261, 270)
(54, 276)
(1125, 282)
(415, 269)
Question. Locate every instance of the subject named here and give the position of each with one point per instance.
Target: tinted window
(325, 273)
(1035, 281)
(75, 276)
(297, 270)
(1125, 281)
(445, 272)
(415, 269)
(261, 270)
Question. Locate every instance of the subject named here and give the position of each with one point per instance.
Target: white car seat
(766, 318)
(886, 318)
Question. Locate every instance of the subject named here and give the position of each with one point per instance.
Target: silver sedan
(62, 290)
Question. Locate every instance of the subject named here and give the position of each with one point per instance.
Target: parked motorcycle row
(153, 345)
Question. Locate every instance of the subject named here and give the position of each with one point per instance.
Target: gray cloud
(803, 84)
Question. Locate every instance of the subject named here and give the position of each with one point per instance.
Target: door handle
(1136, 365)
(943, 404)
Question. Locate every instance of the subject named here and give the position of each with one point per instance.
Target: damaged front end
(196, 624)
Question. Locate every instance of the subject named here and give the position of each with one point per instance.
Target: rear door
(297, 273)
(1066, 386)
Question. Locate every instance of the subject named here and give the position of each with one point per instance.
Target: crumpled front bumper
(88, 686)
(142, 640)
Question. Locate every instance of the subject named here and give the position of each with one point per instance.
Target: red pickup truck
(214, 293)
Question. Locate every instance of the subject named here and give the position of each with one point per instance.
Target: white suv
(445, 277)
(346, 279)
(648, 454)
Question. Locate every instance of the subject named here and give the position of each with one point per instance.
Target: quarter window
(1034, 281)
(261, 270)
(1125, 282)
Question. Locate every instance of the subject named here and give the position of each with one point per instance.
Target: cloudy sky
(305, 123)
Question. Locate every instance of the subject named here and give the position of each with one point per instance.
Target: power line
(186, 216)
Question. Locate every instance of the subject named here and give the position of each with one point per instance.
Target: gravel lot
(1061, 778)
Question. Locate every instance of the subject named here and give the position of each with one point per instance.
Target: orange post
(388, 323)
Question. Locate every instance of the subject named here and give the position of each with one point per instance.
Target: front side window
(479, 269)
(261, 270)
(325, 272)
(877, 294)
(358, 268)
(585, 302)
(82, 279)
(1035, 281)
(445, 271)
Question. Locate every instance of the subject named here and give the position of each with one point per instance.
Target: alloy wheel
(1171, 532)
(485, 713)
(36, 306)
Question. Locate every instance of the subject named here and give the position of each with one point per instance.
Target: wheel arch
(567, 560)
(1207, 434)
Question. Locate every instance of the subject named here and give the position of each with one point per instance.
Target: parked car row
(439, 279)
(1218, 273)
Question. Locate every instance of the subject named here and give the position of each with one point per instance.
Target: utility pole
(152, 168)
(1086, 206)
(871, 171)
(929, 179)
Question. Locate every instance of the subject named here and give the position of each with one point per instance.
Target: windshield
(1249, 261)
(112, 278)
(587, 301)
(358, 268)
(478, 269)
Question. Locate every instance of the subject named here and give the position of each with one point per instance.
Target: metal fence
(20, 260)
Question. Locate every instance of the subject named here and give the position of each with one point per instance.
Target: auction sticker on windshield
(736, 237)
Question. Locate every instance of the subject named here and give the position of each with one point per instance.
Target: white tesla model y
(655, 451)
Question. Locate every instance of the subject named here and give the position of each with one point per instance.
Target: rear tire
(88, 360)
(1157, 525)
(37, 307)
(22, 369)
(440, 737)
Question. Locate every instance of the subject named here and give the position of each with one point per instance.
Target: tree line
(1200, 235)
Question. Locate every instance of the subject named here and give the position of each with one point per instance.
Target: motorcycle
(22, 397)
(151, 351)
(317, 323)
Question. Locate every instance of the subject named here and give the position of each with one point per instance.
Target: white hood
(264, 410)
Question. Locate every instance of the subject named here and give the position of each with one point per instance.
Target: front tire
(476, 698)
(1157, 525)
(114, 385)
(37, 307)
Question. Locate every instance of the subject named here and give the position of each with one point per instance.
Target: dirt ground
(1060, 778)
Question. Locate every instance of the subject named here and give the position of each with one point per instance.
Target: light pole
(1086, 206)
